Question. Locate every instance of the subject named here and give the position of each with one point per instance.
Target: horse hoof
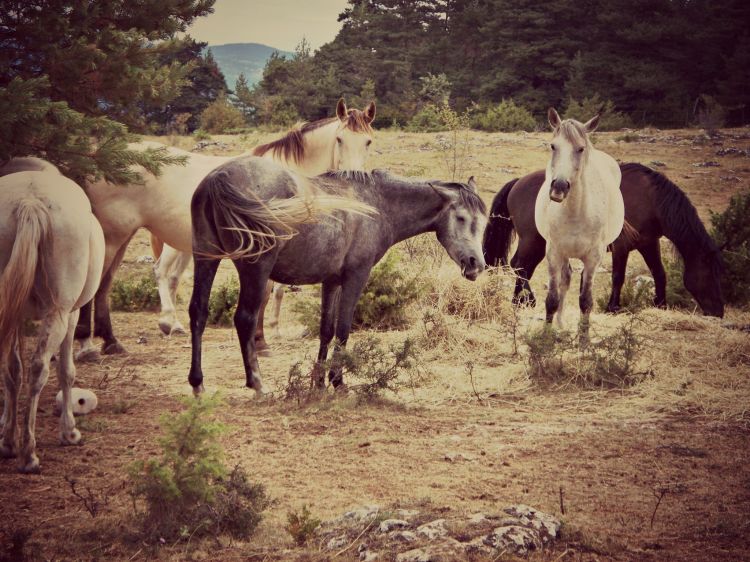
(113, 348)
(265, 352)
(31, 467)
(198, 390)
(178, 330)
(88, 356)
(165, 327)
(72, 437)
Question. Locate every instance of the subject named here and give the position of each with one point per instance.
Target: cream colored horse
(579, 211)
(51, 258)
(162, 205)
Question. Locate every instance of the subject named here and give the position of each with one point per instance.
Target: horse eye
(339, 140)
(580, 150)
(369, 142)
(552, 146)
(461, 220)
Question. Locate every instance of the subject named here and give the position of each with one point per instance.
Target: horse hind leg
(53, 331)
(261, 346)
(205, 272)
(278, 296)
(619, 267)
(12, 376)
(102, 317)
(66, 375)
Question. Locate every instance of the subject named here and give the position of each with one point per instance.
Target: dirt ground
(657, 471)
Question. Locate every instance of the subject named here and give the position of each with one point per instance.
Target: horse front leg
(168, 269)
(253, 292)
(651, 253)
(552, 303)
(102, 318)
(351, 289)
(619, 267)
(205, 271)
(585, 298)
(328, 313)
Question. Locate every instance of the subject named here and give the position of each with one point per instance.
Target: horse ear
(445, 194)
(553, 118)
(370, 112)
(591, 125)
(472, 183)
(341, 111)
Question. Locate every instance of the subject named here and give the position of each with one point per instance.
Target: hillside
(247, 58)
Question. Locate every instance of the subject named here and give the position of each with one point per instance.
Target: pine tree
(75, 75)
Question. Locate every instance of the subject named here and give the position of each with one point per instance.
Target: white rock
(337, 542)
(414, 555)
(547, 525)
(433, 529)
(391, 524)
(405, 536)
(514, 538)
(84, 401)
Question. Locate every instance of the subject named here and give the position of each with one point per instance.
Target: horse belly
(314, 255)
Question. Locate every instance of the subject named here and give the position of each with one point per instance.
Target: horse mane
(292, 145)
(469, 197)
(500, 231)
(679, 218)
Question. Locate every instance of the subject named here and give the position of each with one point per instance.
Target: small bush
(611, 362)
(383, 303)
(377, 369)
(427, 120)
(731, 232)
(201, 135)
(506, 117)
(301, 525)
(584, 110)
(636, 294)
(220, 116)
(223, 302)
(189, 491)
(135, 293)
(710, 113)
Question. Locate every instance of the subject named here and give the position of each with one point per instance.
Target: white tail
(17, 280)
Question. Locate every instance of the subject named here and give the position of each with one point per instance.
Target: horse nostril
(472, 262)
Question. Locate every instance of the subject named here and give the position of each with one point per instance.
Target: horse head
(353, 137)
(570, 146)
(702, 277)
(461, 226)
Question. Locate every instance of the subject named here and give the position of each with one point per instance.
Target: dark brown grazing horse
(654, 206)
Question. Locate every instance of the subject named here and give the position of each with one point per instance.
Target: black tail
(500, 232)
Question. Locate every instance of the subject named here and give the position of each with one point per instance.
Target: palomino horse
(579, 211)
(51, 257)
(338, 251)
(654, 207)
(162, 205)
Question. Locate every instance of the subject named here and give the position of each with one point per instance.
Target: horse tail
(500, 232)
(33, 228)
(157, 246)
(256, 224)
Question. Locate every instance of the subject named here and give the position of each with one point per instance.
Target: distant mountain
(247, 58)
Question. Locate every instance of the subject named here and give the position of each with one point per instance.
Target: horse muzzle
(471, 268)
(559, 190)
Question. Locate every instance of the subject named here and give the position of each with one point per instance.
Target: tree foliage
(74, 76)
(652, 59)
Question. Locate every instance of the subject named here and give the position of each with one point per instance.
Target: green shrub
(427, 120)
(610, 362)
(634, 296)
(383, 303)
(731, 232)
(201, 135)
(584, 110)
(220, 116)
(506, 117)
(223, 302)
(189, 491)
(371, 369)
(301, 525)
(135, 293)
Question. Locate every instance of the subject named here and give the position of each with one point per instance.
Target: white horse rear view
(51, 258)
(579, 212)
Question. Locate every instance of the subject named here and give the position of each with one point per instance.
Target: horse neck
(317, 157)
(408, 209)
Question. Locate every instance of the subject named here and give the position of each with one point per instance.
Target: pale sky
(277, 23)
